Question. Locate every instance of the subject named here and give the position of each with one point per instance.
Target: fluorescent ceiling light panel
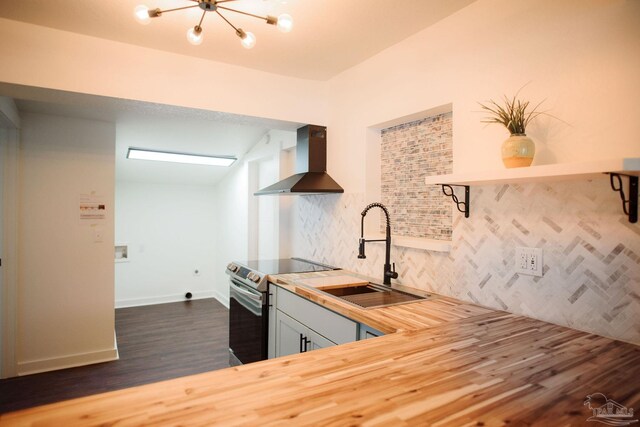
(167, 156)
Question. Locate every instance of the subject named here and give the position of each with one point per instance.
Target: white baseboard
(163, 299)
(221, 299)
(71, 361)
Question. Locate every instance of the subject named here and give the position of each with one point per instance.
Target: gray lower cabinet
(294, 337)
(367, 332)
(297, 325)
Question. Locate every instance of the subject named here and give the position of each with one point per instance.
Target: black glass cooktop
(284, 266)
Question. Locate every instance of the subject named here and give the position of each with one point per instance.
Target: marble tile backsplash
(591, 259)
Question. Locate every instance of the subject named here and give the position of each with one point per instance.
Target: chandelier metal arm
(284, 22)
(177, 8)
(201, 19)
(227, 21)
(243, 13)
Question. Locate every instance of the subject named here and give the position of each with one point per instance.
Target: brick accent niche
(410, 152)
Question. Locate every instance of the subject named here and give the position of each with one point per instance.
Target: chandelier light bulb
(141, 14)
(249, 40)
(194, 35)
(285, 23)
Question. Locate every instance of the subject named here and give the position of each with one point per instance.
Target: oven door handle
(248, 294)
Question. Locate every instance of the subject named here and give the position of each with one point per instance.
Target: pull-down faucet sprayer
(389, 272)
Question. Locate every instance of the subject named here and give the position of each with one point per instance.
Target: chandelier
(283, 22)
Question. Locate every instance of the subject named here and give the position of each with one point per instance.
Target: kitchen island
(442, 362)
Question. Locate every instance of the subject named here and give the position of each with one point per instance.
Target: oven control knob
(232, 267)
(254, 277)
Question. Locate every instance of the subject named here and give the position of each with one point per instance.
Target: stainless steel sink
(352, 290)
(372, 295)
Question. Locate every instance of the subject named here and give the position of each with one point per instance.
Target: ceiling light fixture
(168, 156)
(283, 22)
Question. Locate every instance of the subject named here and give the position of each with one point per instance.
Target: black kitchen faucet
(389, 272)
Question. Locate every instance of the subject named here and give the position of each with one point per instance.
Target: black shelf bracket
(630, 205)
(463, 207)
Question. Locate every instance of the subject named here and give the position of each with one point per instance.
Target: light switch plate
(529, 261)
(98, 235)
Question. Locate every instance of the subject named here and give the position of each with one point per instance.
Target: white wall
(286, 204)
(78, 63)
(239, 213)
(9, 144)
(83, 64)
(232, 240)
(170, 231)
(267, 210)
(582, 56)
(3, 145)
(65, 299)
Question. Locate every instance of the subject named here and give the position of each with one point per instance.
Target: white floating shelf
(556, 172)
(629, 167)
(416, 243)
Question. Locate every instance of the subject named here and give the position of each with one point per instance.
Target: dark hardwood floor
(155, 343)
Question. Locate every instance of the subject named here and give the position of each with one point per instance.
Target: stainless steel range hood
(311, 165)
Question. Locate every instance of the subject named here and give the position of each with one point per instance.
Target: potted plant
(518, 150)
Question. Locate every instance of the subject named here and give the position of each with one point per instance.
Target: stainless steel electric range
(249, 304)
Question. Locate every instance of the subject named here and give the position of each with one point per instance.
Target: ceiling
(155, 126)
(328, 37)
(187, 134)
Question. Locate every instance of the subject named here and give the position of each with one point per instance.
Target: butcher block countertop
(449, 364)
(402, 317)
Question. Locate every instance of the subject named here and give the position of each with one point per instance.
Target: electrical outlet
(529, 261)
(521, 260)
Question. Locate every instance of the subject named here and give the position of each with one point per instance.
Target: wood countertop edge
(465, 367)
(464, 373)
(385, 319)
(389, 324)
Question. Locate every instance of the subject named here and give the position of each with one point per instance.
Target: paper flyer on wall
(93, 208)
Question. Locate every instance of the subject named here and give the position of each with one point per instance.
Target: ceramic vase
(518, 151)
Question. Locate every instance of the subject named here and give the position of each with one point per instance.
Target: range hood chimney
(311, 167)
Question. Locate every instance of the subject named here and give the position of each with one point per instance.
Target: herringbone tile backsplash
(591, 254)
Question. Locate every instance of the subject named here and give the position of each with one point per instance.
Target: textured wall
(409, 153)
(591, 254)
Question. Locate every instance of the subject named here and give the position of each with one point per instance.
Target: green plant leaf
(514, 114)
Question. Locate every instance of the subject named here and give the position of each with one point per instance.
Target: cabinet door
(316, 341)
(294, 337)
(321, 320)
(367, 332)
(272, 337)
(290, 335)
